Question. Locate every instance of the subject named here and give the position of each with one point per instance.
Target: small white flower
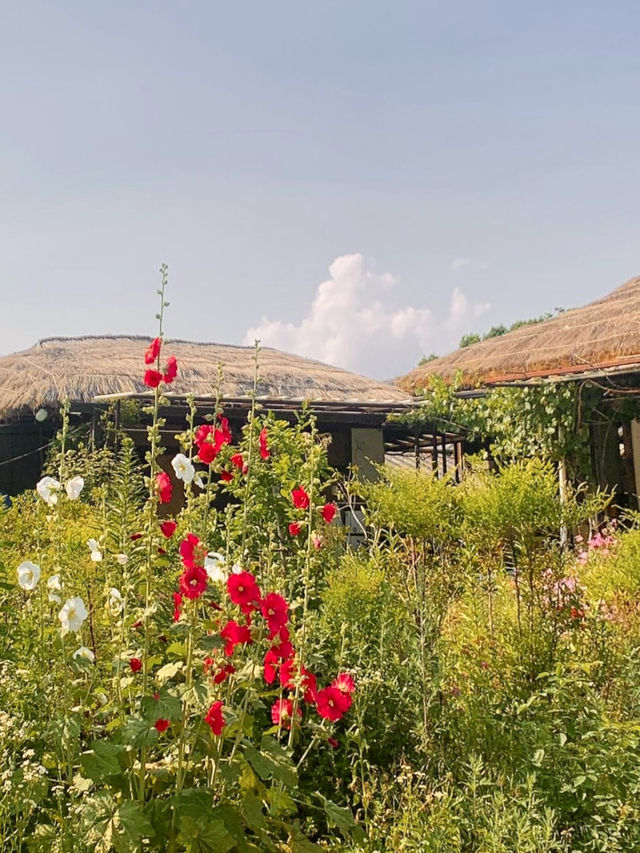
(41, 415)
(28, 575)
(214, 566)
(54, 586)
(199, 481)
(122, 559)
(183, 467)
(96, 553)
(115, 601)
(48, 489)
(84, 652)
(74, 487)
(73, 614)
(237, 569)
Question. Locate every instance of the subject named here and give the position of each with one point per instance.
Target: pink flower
(300, 498)
(163, 487)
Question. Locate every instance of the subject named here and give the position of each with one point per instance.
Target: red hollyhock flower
(243, 590)
(226, 476)
(215, 718)
(218, 669)
(281, 644)
(177, 604)
(152, 378)
(193, 582)
(289, 674)
(333, 743)
(135, 664)
(153, 351)
(162, 725)
(300, 498)
(294, 528)
(164, 487)
(271, 664)
(170, 369)
(276, 612)
(331, 704)
(234, 635)
(328, 512)
(135, 536)
(192, 551)
(344, 682)
(282, 712)
(237, 460)
(264, 450)
(210, 440)
(168, 528)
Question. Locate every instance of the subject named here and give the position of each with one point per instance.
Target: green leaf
(165, 707)
(138, 733)
(252, 811)
(272, 767)
(199, 835)
(102, 761)
(341, 818)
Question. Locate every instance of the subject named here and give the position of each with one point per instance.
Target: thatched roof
(82, 369)
(602, 336)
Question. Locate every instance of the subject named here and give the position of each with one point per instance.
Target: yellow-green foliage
(415, 503)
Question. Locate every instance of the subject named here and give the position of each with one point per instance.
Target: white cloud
(353, 323)
(459, 264)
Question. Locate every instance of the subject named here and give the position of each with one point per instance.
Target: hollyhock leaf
(252, 811)
(340, 817)
(138, 733)
(199, 835)
(133, 823)
(102, 760)
(164, 707)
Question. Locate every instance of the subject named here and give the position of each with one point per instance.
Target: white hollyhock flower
(183, 467)
(96, 553)
(28, 575)
(74, 487)
(237, 569)
(84, 652)
(214, 566)
(122, 559)
(48, 489)
(199, 481)
(115, 601)
(73, 614)
(54, 586)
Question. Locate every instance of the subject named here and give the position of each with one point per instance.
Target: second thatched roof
(81, 369)
(602, 336)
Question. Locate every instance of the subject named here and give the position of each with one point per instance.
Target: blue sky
(466, 163)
